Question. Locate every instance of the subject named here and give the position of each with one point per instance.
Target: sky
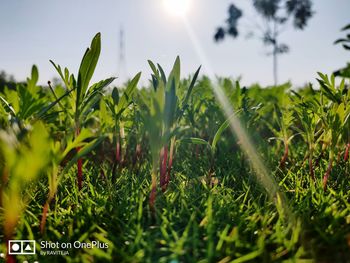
(35, 31)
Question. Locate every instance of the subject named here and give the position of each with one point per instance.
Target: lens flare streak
(261, 172)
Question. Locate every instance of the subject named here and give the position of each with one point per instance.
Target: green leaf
(94, 95)
(65, 76)
(77, 142)
(115, 96)
(221, 129)
(194, 140)
(170, 106)
(328, 92)
(126, 98)
(174, 74)
(35, 75)
(42, 113)
(88, 148)
(7, 106)
(87, 67)
(188, 94)
(162, 73)
(153, 67)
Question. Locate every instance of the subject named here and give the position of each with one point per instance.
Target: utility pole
(122, 68)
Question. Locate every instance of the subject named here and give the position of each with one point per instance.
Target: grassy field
(160, 173)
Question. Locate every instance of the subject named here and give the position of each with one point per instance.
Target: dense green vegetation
(157, 174)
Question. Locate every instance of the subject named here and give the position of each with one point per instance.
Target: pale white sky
(34, 31)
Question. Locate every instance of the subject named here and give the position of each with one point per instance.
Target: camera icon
(21, 247)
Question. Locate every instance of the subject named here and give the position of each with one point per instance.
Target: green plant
(83, 98)
(117, 106)
(335, 118)
(23, 158)
(285, 120)
(162, 113)
(211, 146)
(28, 102)
(58, 153)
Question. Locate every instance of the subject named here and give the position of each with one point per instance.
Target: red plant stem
(9, 227)
(9, 236)
(163, 168)
(346, 154)
(9, 258)
(338, 157)
(152, 195)
(43, 217)
(161, 157)
(117, 151)
(285, 156)
(326, 175)
(170, 164)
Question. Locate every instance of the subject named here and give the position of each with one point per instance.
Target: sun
(177, 7)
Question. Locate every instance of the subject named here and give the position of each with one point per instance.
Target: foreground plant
(114, 121)
(57, 171)
(28, 103)
(162, 114)
(284, 133)
(84, 98)
(309, 121)
(23, 157)
(212, 147)
(335, 118)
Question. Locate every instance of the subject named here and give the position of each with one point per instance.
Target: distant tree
(275, 15)
(345, 42)
(6, 81)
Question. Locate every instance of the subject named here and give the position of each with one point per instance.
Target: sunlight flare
(261, 172)
(177, 7)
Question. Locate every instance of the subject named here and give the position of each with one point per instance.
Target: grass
(231, 221)
(198, 203)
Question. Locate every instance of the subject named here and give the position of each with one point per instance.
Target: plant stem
(117, 150)
(211, 169)
(163, 167)
(44, 216)
(137, 154)
(329, 169)
(197, 152)
(80, 172)
(80, 164)
(171, 158)
(122, 143)
(285, 155)
(346, 154)
(152, 195)
(311, 168)
(9, 258)
(8, 233)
